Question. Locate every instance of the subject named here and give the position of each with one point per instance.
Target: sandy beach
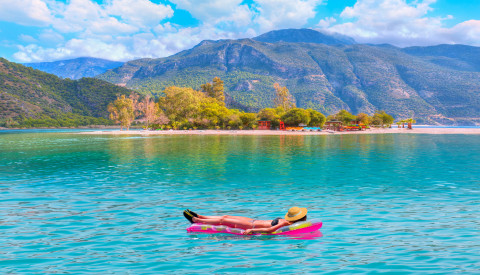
(434, 131)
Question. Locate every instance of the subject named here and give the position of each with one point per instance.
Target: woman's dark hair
(302, 219)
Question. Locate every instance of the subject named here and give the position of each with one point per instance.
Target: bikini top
(275, 221)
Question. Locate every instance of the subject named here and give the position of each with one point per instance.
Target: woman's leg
(231, 221)
(219, 217)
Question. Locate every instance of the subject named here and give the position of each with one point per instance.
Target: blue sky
(48, 30)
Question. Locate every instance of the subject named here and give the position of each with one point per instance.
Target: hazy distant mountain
(76, 68)
(433, 84)
(458, 57)
(305, 36)
(29, 93)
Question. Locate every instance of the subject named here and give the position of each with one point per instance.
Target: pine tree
(122, 111)
(208, 89)
(283, 97)
(218, 89)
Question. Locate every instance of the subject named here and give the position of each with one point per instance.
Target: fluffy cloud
(133, 29)
(128, 47)
(279, 14)
(261, 15)
(116, 29)
(467, 32)
(129, 29)
(27, 38)
(209, 12)
(140, 13)
(25, 12)
(50, 36)
(400, 23)
(73, 48)
(114, 17)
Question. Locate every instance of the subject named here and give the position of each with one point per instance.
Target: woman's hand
(248, 231)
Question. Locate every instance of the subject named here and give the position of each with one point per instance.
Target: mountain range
(328, 72)
(26, 93)
(438, 84)
(76, 68)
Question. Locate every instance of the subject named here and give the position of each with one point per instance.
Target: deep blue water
(392, 203)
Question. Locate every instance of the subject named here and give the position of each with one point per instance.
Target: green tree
(295, 116)
(382, 118)
(122, 111)
(208, 89)
(377, 120)
(316, 118)
(331, 117)
(234, 120)
(283, 97)
(248, 119)
(212, 113)
(364, 118)
(410, 121)
(180, 104)
(218, 89)
(271, 114)
(215, 89)
(344, 116)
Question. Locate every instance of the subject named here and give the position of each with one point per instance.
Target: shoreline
(433, 131)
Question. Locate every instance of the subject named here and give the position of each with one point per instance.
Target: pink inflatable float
(297, 228)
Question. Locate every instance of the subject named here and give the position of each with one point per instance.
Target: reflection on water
(101, 204)
(304, 236)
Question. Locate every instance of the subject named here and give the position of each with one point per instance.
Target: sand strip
(435, 131)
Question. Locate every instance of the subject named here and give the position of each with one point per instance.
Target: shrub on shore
(186, 108)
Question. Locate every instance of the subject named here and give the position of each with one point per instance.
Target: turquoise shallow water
(97, 204)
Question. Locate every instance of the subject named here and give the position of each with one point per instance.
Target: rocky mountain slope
(76, 68)
(305, 36)
(29, 93)
(432, 84)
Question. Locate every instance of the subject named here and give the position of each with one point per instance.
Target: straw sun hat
(295, 213)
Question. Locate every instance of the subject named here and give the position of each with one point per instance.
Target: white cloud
(73, 48)
(279, 14)
(110, 25)
(78, 16)
(326, 22)
(402, 24)
(114, 17)
(140, 13)
(50, 36)
(209, 12)
(127, 47)
(229, 15)
(467, 32)
(263, 15)
(129, 29)
(25, 12)
(27, 38)
(165, 28)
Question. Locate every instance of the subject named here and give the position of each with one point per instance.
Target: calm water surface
(390, 203)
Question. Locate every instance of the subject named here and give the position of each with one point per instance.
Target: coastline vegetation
(183, 108)
(31, 98)
(61, 120)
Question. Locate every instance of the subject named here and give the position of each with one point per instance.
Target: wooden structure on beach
(267, 125)
(334, 125)
(264, 125)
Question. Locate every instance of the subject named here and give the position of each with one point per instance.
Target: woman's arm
(266, 230)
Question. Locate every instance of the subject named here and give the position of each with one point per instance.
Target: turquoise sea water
(393, 203)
